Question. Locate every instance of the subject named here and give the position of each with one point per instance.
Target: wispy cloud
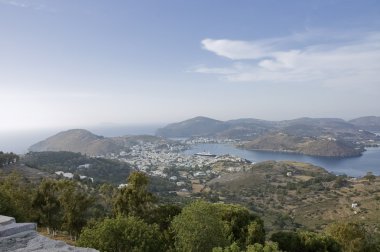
(312, 57)
(30, 4)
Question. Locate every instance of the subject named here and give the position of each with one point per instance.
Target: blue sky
(82, 63)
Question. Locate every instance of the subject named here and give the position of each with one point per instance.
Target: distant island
(326, 137)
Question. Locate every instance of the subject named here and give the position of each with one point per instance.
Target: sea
(369, 161)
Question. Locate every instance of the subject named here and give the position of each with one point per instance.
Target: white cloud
(333, 59)
(31, 4)
(234, 49)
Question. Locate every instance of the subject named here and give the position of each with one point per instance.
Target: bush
(122, 234)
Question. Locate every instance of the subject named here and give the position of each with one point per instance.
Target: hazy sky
(77, 63)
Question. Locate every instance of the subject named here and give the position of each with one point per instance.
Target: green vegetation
(305, 241)
(101, 169)
(134, 199)
(135, 219)
(122, 234)
(8, 158)
(289, 195)
(199, 228)
(354, 237)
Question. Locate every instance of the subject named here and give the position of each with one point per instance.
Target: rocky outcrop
(77, 140)
(23, 237)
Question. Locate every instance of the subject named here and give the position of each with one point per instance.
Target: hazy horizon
(19, 140)
(76, 64)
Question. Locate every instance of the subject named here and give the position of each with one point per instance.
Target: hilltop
(85, 142)
(249, 127)
(198, 126)
(331, 137)
(371, 123)
(76, 140)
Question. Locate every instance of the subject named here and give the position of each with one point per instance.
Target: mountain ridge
(85, 142)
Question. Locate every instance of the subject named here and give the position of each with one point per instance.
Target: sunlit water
(355, 166)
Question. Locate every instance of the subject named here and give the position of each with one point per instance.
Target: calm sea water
(355, 166)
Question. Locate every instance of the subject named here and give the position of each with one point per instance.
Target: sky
(86, 63)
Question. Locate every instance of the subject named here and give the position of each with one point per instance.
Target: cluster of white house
(153, 158)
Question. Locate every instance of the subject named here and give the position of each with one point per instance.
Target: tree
(75, 202)
(351, 236)
(5, 207)
(315, 242)
(8, 158)
(288, 241)
(255, 233)
(199, 227)
(134, 199)
(257, 247)
(46, 202)
(15, 198)
(370, 177)
(267, 247)
(305, 241)
(122, 234)
(245, 227)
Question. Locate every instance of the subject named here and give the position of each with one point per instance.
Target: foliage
(354, 237)
(134, 199)
(8, 158)
(122, 234)
(74, 201)
(199, 227)
(305, 241)
(101, 169)
(15, 197)
(370, 177)
(257, 247)
(267, 247)
(47, 205)
(245, 228)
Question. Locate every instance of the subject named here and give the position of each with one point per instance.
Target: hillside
(85, 142)
(293, 194)
(77, 140)
(371, 123)
(302, 135)
(198, 126)
(249, 127)
(100, 169)
(326, 147)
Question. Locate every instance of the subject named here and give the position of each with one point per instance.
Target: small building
(173, 178)
(181, 183)
(199, 174)
(122, 186)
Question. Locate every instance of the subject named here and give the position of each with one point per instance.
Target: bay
(353, 166)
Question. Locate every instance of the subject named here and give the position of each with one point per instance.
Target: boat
(205, 154)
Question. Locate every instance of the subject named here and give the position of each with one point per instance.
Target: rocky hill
(85, 142)
(326, 147)
(198, 126)
(77, 140)
(330, 137)
(371, 123)
(249, 127)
